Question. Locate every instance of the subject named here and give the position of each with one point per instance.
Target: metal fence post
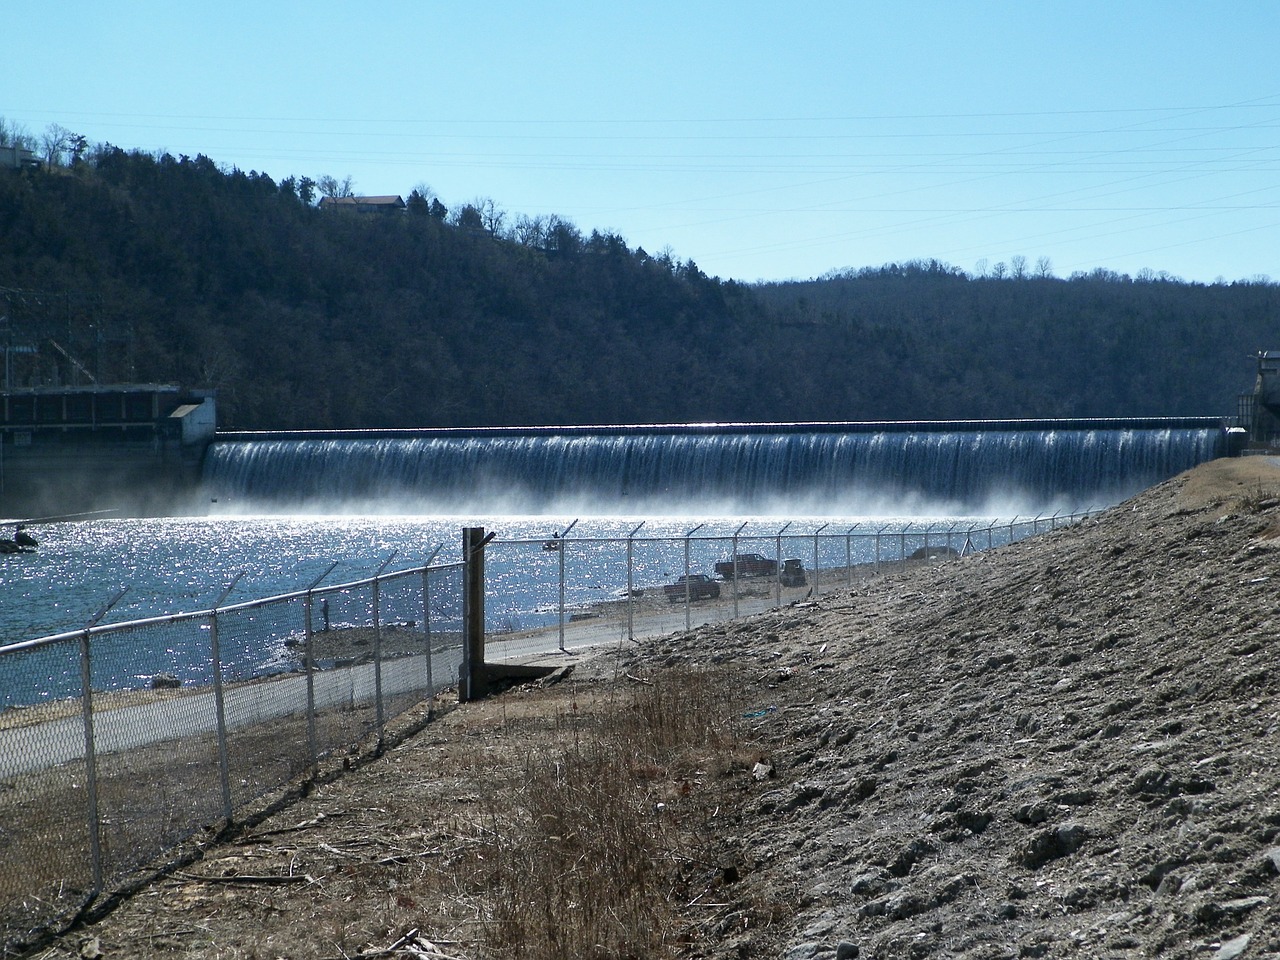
(310, 664)
(848, 555)
(688, 588)
(560, 549)
(219, 701)
(90, 754)
(426, 629)
(816, 591)
(777, 559)
(90, 763)
(735, 567)
(377, 649)
(631, 583)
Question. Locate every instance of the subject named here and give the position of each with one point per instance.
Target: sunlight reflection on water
(176, 565)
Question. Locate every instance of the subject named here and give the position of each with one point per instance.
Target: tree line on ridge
(154, 268)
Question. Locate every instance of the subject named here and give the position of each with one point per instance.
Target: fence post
(90, 762)
(377, 649)
(472, 683)
(310, 664)
(848, 555)
(560, 550)
(735, 567)
(426, 630)
(90, 754)
(219, 701)
(688, 598)
(631, 583)
(816, 591)
(777, 558)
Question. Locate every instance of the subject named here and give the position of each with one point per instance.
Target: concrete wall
(59, 455)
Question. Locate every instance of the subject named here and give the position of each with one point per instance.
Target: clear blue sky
(761, 140)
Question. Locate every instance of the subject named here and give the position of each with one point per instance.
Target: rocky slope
(1069, 747)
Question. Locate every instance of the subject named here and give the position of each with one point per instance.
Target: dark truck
(746, 565)
(696, 586)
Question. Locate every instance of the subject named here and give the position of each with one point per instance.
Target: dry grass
(594, 851)
(572, 820)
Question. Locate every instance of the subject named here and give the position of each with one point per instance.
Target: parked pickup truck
(748, 565)
(696, 586)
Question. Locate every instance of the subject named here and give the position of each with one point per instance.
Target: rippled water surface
(183, 564)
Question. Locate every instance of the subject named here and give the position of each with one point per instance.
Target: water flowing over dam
(814, 468)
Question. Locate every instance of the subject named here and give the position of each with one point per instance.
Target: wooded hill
(162, 269)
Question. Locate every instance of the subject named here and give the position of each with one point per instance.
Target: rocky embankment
(1068, 747)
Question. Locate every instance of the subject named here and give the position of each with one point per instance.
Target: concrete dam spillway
(802, 468)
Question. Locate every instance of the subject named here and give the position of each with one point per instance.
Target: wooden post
(473, 683)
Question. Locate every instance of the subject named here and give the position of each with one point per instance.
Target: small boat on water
(22, 541)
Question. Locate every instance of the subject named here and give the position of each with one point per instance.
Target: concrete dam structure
(149, 450)
(829, 469)
(131, 449)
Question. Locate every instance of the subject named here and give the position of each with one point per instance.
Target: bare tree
(1018, 267)
(13, 134)
(1044, 268)
(530, 231)
(55, 144)
(333, 187)
(492, 216)
(981, 268)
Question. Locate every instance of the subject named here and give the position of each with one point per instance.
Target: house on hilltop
(389, 204)
(15, 157)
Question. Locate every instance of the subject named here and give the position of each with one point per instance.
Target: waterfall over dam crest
(815, 468)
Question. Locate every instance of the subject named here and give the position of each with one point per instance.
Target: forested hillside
(159, 269)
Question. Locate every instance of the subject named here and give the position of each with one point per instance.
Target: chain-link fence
(120, 741)
(582, 591)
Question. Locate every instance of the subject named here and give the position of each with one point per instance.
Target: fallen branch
(249, 878)
(405, 857)
(410, 944)
(304, 825)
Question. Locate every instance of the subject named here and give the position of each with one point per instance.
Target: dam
(733, 468)
(148, 450)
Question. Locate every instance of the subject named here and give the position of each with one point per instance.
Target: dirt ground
(1068, 747)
